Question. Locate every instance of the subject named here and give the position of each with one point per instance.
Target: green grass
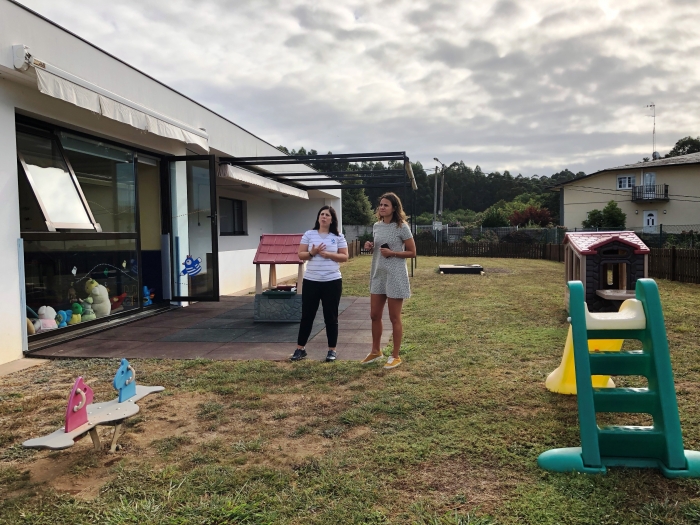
(450, 437)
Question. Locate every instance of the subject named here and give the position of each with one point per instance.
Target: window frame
(53, 226)
(244, 218)
(629, 179)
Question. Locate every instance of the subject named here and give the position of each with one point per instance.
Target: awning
(246, 177)
(110, 105)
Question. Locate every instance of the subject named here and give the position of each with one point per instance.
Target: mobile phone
(385, 245)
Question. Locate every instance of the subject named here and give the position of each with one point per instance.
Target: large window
(79, 223)
(232, 217)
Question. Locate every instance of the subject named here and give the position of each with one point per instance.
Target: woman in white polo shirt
(324, 247)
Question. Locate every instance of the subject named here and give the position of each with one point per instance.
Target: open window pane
(59, 274)
(106, 176)
(52, 182)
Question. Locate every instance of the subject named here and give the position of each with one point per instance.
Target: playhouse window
(614, 276)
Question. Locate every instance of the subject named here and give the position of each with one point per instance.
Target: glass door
(194, 255)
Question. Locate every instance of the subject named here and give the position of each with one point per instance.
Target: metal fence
(512, 234)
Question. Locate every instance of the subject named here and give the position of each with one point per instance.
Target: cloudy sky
(531, 86)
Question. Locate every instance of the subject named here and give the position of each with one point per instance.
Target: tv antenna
(653, 133)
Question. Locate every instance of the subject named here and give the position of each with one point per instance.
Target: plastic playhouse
(608, 264)
(657, 446)
(278, 303)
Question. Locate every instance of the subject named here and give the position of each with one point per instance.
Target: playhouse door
(194, 257)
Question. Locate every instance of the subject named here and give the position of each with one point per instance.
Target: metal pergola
(399, 179)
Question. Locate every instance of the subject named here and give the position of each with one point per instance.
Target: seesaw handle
(133, 376)
(82, 400)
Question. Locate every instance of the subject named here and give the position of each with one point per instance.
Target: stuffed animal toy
(117, 301)
(77, 312)
(62, 317)
(192, 266)
(72, 296)
(147, 295)
(30, 327)
(46, 321)
(100, 298)
(88, 312)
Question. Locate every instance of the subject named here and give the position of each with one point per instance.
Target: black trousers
(328, 293)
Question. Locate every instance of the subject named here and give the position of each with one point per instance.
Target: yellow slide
(563, 379)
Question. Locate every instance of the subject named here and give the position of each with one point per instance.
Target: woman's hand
(320, 248)
(369, 245)
(386, 252)
(322, 251)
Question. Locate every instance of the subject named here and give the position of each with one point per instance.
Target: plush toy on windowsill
(88, 312)
(117, 301)
(77, 313)
(46, 321)
(148, 296)
(100, 298)
(62, 318)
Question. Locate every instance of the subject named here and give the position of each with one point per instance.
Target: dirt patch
(462, 484)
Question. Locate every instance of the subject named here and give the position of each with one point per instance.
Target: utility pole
(442, 186)
(435, 197)
(653, 132)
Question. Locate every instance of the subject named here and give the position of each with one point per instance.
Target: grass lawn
(450, 437)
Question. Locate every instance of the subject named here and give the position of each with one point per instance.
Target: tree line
(471, 196)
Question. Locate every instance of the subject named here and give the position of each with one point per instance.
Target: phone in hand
(385, 245)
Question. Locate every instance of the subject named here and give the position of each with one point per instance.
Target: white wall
(11, 317)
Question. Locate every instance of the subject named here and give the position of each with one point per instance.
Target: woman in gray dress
(389, 276)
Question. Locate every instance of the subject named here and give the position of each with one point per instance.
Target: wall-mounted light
(664, 212)
(636, 212)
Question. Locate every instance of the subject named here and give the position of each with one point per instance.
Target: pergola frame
(401, 179)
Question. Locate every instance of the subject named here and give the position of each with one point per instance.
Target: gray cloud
(529, 86)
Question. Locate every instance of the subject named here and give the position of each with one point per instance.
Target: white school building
(110, 181)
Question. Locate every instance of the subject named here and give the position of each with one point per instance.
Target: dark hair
(399, 217)
(334, 220)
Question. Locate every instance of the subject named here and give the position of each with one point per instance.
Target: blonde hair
(399, 217)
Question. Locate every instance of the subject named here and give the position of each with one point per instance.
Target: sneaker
(330, 357)
(392, 362)
(371, 358)
(298, 355)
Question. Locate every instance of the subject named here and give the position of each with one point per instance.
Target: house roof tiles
(587, 243)
(278, 249)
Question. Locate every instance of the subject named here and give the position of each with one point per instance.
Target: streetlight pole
(435, 197)
(442, 184)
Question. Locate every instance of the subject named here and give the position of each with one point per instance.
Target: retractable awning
(246, 177)
(69, 88)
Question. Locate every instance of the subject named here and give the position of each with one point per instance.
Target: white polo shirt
(318, 268)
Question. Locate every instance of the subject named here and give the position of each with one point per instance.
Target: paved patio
(222, 331)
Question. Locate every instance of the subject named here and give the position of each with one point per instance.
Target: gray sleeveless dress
(389, 276)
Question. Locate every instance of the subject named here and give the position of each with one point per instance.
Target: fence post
(674, 274)
(661, 235)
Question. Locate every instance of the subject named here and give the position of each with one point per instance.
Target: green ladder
(658, 446)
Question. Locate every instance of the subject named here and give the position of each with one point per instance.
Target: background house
(659, 192)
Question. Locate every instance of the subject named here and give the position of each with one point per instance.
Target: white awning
(117, 108)
(246, 177)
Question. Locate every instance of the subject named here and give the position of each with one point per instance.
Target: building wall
(10, 314)
(595, 192)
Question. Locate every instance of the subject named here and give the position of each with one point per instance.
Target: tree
(611, 217)
(494, 218)
(530, 215)
(357, 209)
(685, 146)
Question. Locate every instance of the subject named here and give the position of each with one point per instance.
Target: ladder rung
(634, 400)
(628, 363)
(631, 441)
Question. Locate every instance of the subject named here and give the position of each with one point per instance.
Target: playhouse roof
(279, 249)
(587, 243)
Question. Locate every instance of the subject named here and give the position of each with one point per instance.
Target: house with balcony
(658, 193)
